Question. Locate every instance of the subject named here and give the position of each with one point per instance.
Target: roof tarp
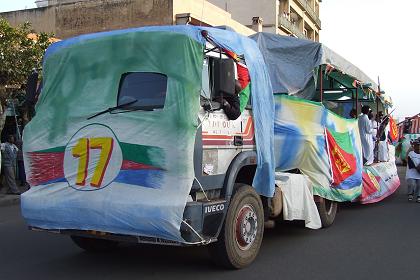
(292, 63)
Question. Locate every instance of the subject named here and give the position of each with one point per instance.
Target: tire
(242, 232)
(94, 244)
(327, 210)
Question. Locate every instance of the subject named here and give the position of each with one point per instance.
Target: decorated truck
(408, 130)
(130, 143)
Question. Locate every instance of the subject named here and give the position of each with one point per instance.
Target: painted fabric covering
(380, 180)
(322, 145)
(115, 172)
(262, 100)
(128, 173)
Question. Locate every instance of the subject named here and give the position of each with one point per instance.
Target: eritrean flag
(343, 161)
(141, 165)
(370, 183)
(393, 130)
(245, 81)
(243, 78)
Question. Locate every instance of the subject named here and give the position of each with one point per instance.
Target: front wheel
(242, 232)
(94, 244)
(327, 211)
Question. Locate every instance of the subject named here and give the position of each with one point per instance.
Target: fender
(241, 160)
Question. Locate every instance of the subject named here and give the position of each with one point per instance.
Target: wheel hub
(246, 227)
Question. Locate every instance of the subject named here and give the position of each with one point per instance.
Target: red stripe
(226, 143)
(131, 165)
(45, 167)
(217, 142)
(415, 127)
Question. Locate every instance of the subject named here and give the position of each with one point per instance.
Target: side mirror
(224, 77)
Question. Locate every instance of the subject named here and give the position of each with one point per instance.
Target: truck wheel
(327, 210)
(94, 244)
(242, 232)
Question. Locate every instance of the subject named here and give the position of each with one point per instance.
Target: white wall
(244, 10)
(210, 14)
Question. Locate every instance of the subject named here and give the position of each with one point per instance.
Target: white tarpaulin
(298, 200)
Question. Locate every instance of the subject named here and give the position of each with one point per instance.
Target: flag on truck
(393, 130)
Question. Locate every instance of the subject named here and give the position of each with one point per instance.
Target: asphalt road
(380, 241)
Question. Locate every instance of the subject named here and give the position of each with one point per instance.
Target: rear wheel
(242, 232)
(94, 244)
(327, 210)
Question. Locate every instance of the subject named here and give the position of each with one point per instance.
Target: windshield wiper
(111, 109)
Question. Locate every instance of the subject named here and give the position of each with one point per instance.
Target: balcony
(310, 11)
(291, 27)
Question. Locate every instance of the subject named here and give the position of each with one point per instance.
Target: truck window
(149, 89)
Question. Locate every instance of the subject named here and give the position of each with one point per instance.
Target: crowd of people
(12, 166)
(374, 135)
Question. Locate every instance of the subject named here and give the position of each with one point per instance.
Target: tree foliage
(20, 51)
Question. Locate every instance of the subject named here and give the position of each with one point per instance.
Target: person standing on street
(9, 154)
(413, 171)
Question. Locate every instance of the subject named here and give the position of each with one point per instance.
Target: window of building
(142, 90)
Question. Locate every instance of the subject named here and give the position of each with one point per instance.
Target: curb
(8, 200)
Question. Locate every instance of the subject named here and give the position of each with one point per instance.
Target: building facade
(69, 18)
(298, 18)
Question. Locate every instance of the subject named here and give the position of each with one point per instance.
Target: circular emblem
(93, 158)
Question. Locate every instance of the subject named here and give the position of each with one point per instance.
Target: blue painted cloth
(125, 204)
(262, 97)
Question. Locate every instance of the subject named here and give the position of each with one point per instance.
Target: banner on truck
(319, 143)
(379, 181)
(129, 171)
(114, 172)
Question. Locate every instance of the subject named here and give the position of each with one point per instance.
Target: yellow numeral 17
(81, 151)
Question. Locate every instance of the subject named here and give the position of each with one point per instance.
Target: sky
(378, 36)
(12, 5)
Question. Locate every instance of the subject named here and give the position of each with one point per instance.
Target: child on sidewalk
(413, 171)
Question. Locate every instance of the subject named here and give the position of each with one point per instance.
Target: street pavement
(379, 241)
(10, 199)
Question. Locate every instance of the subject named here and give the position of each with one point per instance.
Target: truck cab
(129, 143)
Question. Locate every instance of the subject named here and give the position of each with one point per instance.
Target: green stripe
(137, 153)
(343, 141)
(149, 155)
(336, 194)
(53, 150)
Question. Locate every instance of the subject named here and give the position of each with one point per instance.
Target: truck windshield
(149, 89)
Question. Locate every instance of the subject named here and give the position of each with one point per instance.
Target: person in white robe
(365, 129)
(383, 150)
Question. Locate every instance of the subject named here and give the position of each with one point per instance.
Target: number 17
(82, 151)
